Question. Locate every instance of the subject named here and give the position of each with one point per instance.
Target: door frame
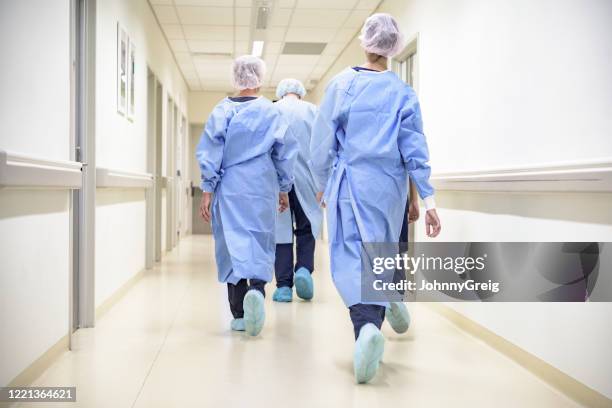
(158, 175)
(82, 142)
(151, 236)
(170, 179)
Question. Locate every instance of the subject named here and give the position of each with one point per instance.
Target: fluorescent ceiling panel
(257, 48)
(299, 48)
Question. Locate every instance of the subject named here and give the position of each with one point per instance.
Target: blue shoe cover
(254, 312)
(369, 349)
(238, 324)
(303, 284)
(283, 294)
(398, 317)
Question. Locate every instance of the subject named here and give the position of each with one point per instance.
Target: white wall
(121, 144)
(573, 337)
(518, 83)
(34, 119)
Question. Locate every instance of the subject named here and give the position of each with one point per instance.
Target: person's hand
(205, 206)
(283, 201)
(413, 211)
(320, 199)
(432, 223)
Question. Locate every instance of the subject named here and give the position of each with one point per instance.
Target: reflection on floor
(167, 343)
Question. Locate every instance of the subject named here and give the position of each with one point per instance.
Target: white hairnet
(290, 85)
(380, 35)
(248, 72)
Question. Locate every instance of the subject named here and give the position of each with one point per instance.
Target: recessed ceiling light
(257, 48)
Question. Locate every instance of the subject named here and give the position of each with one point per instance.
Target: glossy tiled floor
(167, 343)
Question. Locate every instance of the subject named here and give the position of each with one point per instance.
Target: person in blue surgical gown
(305, 211)
(366, 141)
(246, 157)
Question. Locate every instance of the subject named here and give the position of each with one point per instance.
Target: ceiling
(205, 35)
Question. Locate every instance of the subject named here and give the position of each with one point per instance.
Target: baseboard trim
(40, 365)
(34, 370)
(109, 302)
(564, 383)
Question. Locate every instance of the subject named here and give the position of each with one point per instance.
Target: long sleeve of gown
(209, 152)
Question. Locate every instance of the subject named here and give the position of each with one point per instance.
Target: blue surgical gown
(300, 115)
(366, 140)
(246, 156)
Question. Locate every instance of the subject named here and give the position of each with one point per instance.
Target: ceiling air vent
(301, 48)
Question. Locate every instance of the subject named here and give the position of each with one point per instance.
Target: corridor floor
(167, 343)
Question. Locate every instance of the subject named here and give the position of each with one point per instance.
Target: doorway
(198, 225)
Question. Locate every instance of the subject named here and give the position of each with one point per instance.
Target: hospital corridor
(305, 203)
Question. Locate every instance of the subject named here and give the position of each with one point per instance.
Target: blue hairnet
(290, 85)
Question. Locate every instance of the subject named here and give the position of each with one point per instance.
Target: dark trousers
(236, 293)
(403, 240)
(305, 246)
(362, 314)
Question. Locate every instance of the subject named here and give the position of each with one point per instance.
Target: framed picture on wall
(131, 81)
(122, 70)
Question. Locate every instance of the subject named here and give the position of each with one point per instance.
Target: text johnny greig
(423, 263)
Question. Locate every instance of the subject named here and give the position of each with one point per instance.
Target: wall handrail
(113, 178)
(18, 170)
(586, 176)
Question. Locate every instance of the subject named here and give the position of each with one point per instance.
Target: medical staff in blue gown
(246, 157)
(366, 141)
(305, 211)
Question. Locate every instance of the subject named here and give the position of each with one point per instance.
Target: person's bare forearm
(414, 195)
